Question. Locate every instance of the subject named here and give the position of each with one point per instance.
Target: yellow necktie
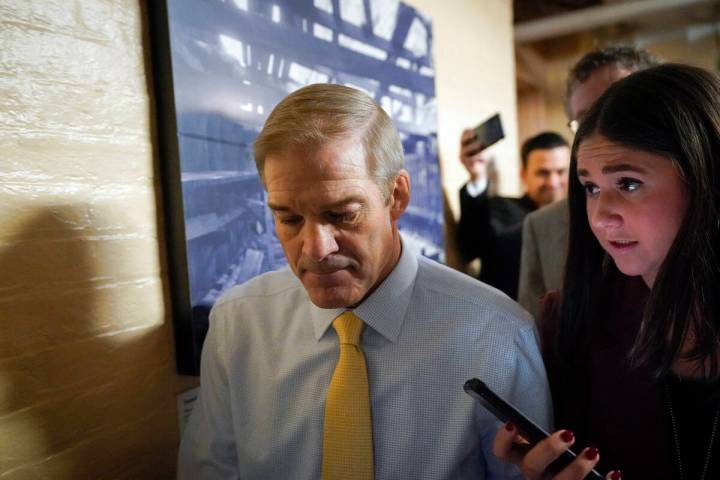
(347, 434)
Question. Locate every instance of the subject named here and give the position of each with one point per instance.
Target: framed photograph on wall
(220, 67)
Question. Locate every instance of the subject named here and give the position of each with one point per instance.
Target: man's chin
(548, 199)
(332, 297)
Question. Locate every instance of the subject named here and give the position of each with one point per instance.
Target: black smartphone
(505, 412)
(489, 132)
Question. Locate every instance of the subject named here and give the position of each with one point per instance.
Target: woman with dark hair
(632, 342)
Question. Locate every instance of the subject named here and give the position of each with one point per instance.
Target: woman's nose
(603, 211)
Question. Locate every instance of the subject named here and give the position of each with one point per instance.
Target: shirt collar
(384, 310)
(528, 203)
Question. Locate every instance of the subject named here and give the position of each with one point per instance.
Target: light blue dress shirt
(270, 353)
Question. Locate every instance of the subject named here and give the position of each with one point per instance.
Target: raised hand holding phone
(474, 141)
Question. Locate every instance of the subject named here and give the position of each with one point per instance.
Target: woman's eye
(629, 184)
(590, 189)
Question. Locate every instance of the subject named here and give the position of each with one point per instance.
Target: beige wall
(87, 382)
(475, 78)
(87, 377)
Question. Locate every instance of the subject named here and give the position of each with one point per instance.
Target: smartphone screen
(505, 412)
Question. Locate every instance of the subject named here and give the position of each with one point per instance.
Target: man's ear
(400, 195)
(523, 174)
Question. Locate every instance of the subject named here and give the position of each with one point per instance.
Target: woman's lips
(622, 245)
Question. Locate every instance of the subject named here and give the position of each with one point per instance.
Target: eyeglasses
(573, 126)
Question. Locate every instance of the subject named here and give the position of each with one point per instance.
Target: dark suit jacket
(490, 229)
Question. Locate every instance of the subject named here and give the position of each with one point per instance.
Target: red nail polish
(509, 426)
(591, 453)
(567, 436)
(616, 475)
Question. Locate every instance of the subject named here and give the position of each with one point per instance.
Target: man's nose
(554, 181)
(318, 240)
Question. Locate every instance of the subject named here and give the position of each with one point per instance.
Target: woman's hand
(534, 462)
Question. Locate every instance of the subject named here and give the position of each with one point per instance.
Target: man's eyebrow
(278, 208)
(345, 201)
(331, 206)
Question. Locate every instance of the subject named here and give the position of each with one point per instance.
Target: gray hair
(317, 114)
(621, 56)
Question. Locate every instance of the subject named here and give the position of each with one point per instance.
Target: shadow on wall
(87, 378)
(452, 255)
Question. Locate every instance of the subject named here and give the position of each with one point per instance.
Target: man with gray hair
(350, 362)
(545, 231)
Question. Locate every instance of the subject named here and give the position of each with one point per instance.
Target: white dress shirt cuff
(477, 187)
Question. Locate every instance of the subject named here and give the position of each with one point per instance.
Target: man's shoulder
(261, 288)
(457, 288)
(556, 212)
(549, 227)
(507, 202)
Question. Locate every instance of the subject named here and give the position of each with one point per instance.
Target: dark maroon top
(621, 410)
